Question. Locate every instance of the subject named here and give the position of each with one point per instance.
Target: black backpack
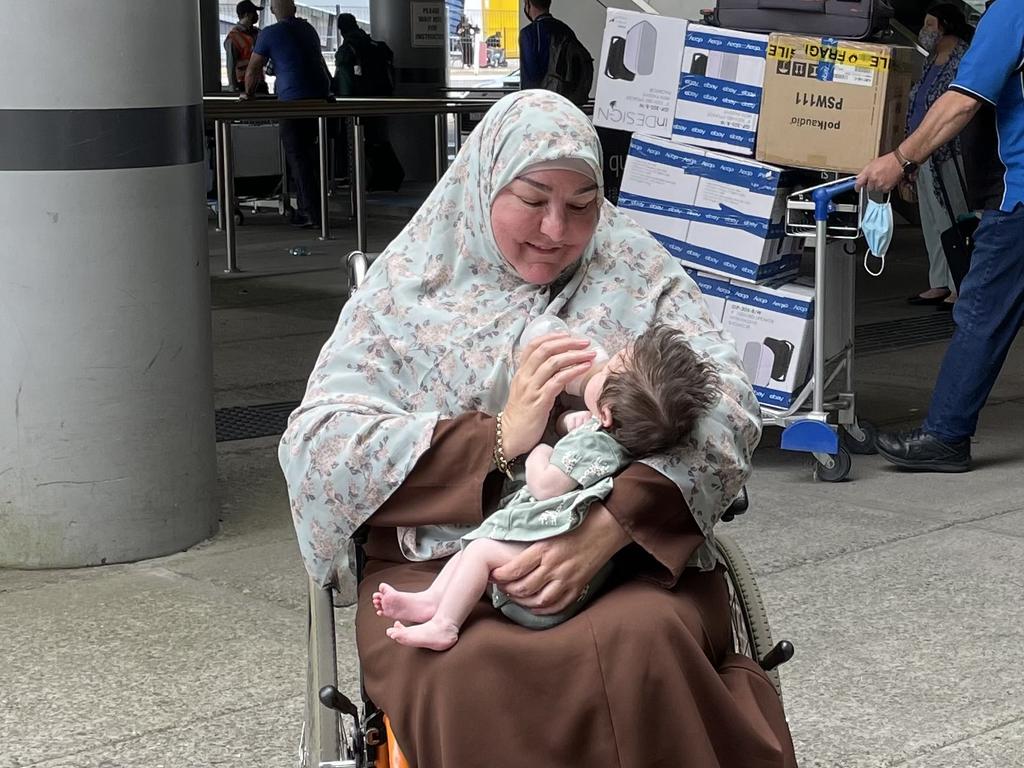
(570, 67)
(375, 68)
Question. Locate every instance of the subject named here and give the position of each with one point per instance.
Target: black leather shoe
(920, 451)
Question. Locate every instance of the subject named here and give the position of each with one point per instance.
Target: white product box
(716, 213)
(774, 333)
(720, 86)
(716, 292)
(638, 76)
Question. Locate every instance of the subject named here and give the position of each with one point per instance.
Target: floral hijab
(433, 332)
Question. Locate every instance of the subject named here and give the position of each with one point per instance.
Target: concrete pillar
(421, 67)
(106, 407)
(210, 44)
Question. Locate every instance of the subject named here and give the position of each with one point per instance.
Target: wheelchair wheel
(752, 636)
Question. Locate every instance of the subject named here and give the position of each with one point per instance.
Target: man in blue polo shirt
(990, 309)
(294, 47)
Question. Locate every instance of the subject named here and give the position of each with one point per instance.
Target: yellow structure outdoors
(503, 17)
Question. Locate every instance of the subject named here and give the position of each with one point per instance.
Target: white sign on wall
(428, 25)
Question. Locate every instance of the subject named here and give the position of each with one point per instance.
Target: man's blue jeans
(988, 315)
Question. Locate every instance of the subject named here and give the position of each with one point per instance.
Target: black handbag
(958, 240)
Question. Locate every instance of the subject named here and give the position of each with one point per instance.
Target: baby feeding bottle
(545, 324)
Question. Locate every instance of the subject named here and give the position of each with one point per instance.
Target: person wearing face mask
(990, 309)
(945, 35)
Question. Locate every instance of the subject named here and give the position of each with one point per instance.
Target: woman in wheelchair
(396, 433)
(643, 401)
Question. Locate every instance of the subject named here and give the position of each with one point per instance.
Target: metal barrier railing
(224, 110)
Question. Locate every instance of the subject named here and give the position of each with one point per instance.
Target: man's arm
(994, 57)
(532, 69)
(231, 57)
(254, 74)
(948, 116)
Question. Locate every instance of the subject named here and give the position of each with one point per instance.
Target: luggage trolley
(827, 211)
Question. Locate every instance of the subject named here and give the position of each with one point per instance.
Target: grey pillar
(210, 44)
(106, 408)
(420, 71)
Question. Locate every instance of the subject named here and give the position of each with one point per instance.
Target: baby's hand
(571, 420)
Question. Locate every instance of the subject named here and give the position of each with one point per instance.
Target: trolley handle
(823, 197)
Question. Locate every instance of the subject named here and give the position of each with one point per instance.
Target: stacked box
(720, 87)
(714, 212)
(774, 332)
(638, 75)
(716, 292)
(832, 104)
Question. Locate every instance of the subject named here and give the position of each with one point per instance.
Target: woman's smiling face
(543, 220)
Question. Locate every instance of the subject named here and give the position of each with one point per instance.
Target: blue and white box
(716, 292)
(774, 332)
(720, 87)
(715, 213)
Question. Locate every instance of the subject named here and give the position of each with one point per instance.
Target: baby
(644, 400)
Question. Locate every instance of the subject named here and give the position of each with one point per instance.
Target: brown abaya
(643, 677)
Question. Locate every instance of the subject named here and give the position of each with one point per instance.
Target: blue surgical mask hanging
(877, 225)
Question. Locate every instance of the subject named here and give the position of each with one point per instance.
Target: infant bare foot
(433, 635)
(414, 607)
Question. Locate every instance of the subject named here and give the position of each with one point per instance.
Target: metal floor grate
(249, 421)
(905, 333)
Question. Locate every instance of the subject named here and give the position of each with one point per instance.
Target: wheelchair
(365, 740)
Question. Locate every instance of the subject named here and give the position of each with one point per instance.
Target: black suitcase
(849, 19)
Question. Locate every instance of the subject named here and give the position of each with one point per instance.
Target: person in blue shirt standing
(535, 42)
(990, 309)
(294, 47)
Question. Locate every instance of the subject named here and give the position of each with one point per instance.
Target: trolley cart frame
(816, 431)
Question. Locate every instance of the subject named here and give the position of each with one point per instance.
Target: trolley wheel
(865, 446)
(839, 470)
(239, 218)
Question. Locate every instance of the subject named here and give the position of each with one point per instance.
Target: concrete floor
(902, 593)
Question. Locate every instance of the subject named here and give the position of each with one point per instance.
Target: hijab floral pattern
(433, 332)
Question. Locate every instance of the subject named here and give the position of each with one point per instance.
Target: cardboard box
(720, 87)
(832, 104)
(774, 332)
(716, 292)
(714, 212)
(638, 75)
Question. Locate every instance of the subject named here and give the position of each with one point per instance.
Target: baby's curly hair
(661, 393)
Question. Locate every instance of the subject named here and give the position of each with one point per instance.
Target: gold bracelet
(503, 465)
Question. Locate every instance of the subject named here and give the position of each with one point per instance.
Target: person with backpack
(365, 68)
(552, 57)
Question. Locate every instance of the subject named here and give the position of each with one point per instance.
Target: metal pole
(458, 131)
(325, 224)
(218, 172)
(229, 198)
(359, 182)
(820, 254)
(441, 144)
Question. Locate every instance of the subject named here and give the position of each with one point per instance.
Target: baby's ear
(606, 416)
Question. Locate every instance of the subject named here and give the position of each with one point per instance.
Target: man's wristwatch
(908, 166)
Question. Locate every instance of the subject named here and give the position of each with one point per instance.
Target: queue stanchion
(325, 224)
(218, 172)
(359, 181)
(440, 144)
(229, 197)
